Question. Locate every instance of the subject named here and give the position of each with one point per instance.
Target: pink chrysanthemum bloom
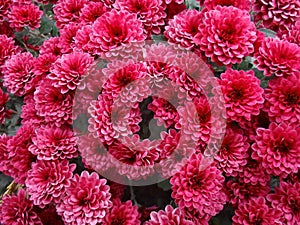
(108, 3)
(242, 94)
(52, 143)
(7, 49)
(239, 192)
(182, 29)
(168, 216)
(256, 211)
(278, 14)
(5, 29)
(22, 15)
(122, 213)
(18, 74)
(4, 153)
(150, 12)
(51, 46)
(48, 215)
(233, 152)
(286, 199)
(226, 35)
(68, 70)
(133, 157)
(4, 113)
(18, 210)
(19, 157)
(241, 4)
(253, 173)
(198, 188)
(292, 34)
(51, 104)
(67, 11)
(4, 8)
(278, 149)
(86, 200)
(293, 178)
(43, 64)
(67, 37)
(116, 30)
(91, 11)
(283, 99)
(29, 113)
(83, 38)
(278, 57)
(47, 180)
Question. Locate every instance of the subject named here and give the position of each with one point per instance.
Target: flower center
(292, 99)
(236, 94)
(282, 146)
(117, 221)
(196, 181)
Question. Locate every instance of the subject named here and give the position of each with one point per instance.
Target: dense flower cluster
(101, 100)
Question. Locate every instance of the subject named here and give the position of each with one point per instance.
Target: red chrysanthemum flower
(29, 113)
(22, 15)
(4, 153)
(198, 189)
(133, 157)
(115, 30)
(168, 216)
(4, 113)
(278, 14)
(122, 213)
(182, 29)
(292, 34)
(150, 12)
(18, 210)
(283, 99)
(68, 11)
(67, 37)
(86, 200)
(233, 152)
(226, 35)
(239, 192)
(18, 74)
(241, 4)
(256, 211)
(51, 46)
(286, 199)
(172, 8)
(278, 57)
(68, 70)
(47, 180)
(242, 94)
(278, 149)
(48, 215)
(4, 8)
(5, 29)
(52, 143)
(19, 157)
(43, 64)
(7, 49)
(51, 104)
(83, 38)
(91, 11)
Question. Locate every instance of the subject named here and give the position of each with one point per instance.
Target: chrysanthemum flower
(278, 149)
(17, 209)
(67, 11)
(286, 199)
(256, 211)
(48, 215)
(283, 99)
(292, 34)
(91, 11)
(168, 216)
(52, 143)
(233, 152)
(239, 192)
(43, 64)
(7, 49)
(19, 157)
(51, 104)
(116, 29)
(18, 74)
(150, 12)
(242, 94)
(241, 4)
(173, 8)
(278, 57)
(47, 180)
(226, 35)
(4, 9)
(66, 42)
(182, 29)
(83, 38)
(198, 188)
(122, 213)
(51, 46)
(4, 113)
(4, 153)
(22, 15)
(86, 200)
(29, 113)
(68, 70)
(277, 14)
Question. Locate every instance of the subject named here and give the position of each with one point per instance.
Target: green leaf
(46, 25)
(165, 185)
(54, 31)
(158, 38)
(267, 32)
